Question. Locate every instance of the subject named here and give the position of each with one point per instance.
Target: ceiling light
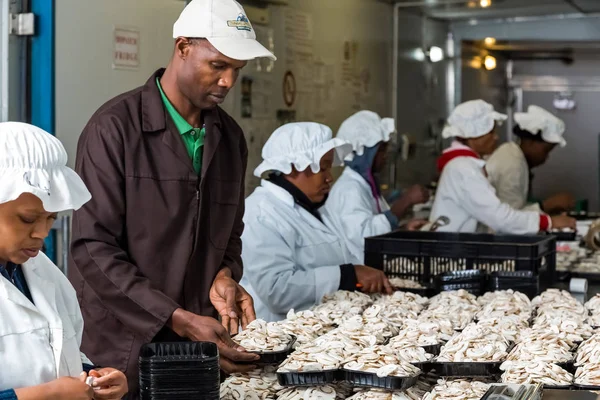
(485, 3)
(475, 63)
(489, 62)
(436, 54)
(472, 4)
(490, 41)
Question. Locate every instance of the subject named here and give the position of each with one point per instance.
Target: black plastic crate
(422, 255)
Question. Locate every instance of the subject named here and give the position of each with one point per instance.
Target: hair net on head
(471, 120)
(300, 144)
(33, 161)
(365, 129)
(539, 121)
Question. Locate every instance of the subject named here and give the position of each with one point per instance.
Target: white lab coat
(352, 204)
(508, 172)
(467, 198)
(39, 343)
(291, 259)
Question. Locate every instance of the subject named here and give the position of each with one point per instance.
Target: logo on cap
(241, 23)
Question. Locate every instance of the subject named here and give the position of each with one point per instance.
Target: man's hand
(232, 302)
(109, 384)
(559, 203)
(206, 329)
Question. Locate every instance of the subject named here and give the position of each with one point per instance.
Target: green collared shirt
(193, 138)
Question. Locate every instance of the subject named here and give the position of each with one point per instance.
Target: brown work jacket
(154, 235)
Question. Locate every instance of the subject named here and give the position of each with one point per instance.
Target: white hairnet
(33, 161)
(301, 144)
(365, 129)
(537, 120)
(471, 120)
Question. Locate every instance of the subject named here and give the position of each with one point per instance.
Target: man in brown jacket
(156, 253)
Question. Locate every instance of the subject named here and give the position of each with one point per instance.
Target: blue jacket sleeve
(8, 395)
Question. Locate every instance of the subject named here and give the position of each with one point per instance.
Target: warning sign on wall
(126, 48)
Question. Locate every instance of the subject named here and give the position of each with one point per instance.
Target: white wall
(368, 23)
(85, 78)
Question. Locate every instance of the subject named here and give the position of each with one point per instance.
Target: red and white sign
(126, 48)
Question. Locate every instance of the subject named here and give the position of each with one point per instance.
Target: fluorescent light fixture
(489, 62)
(436, 54)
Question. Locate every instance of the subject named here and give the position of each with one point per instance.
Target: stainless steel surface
(22, 24)
(13, 71)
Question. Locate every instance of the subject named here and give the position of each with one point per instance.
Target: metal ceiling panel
(468, 9)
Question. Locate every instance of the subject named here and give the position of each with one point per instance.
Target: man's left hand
(234, 304)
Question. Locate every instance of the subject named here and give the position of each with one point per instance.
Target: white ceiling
(460, 9)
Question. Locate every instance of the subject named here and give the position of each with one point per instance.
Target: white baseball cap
(225, 25)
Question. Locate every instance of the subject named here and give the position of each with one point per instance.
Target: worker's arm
(271, 268)
(477, 197)
(233, 253)
(99, 238)
(355, 211)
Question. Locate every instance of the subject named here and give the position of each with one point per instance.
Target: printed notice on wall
(126, 48)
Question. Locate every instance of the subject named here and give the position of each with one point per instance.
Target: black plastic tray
(422, 255)
(464, 276)
(179, 351)
(585, 387)
(366, 379)
(433, 349)
(274, 357)
(466, 369)
(315, 378)
(476, 289)
(565, 236)
(514, 275)
(584, 215)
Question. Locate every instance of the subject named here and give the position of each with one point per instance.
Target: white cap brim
(241, 49)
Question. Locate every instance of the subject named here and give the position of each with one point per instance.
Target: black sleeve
(348, 279)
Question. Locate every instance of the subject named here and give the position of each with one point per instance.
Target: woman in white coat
(509, 168)
(40, 324)
(356, 198)
(293, 251)
(464, 193)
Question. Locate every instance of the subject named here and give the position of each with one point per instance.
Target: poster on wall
(126, 48)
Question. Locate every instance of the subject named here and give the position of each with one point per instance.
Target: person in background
(356, 198)
(464, 193)
(293, 251)
(156, 253)
(509, 168)
(40, 321)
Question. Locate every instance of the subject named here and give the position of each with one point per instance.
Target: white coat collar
(42, 290)
(279, 192)
(456, 145)
(287, 199)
